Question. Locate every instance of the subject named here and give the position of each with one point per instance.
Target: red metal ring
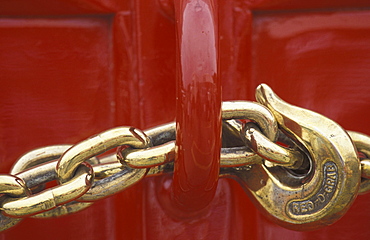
(198, 129)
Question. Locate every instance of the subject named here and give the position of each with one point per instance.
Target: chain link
(84, 176)
(362, 143)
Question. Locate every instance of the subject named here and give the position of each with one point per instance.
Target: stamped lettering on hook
(321, 198)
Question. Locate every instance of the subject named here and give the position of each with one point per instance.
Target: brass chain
(84, 174)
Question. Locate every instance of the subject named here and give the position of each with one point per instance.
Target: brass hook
(322, 194)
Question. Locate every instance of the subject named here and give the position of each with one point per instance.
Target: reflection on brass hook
(314, 199)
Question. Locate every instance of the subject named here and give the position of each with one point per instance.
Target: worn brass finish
(50, 198)
(12, 186)
(36, 176)
(8, 222)
(162, 134)
(238, 156)
(105, 170)
(149, 157)
(38, 156)
(65, 209)
(260, 144)
(362, 143)
(365, 168)
(161, 169)
(234, 153)
(252, 111)
(114, 179)
(45, 160)
(109, 159)
(38, 167)
(325, 192)
(365, 181)
(97, 145)
(259, 148)
(45, 173)
(113, 184)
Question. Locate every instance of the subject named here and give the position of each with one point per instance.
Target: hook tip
(264, 93)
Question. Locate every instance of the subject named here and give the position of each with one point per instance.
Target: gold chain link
(83, 177)
(50, 198)
(362, 143)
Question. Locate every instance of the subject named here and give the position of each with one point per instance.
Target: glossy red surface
(198, 117)
(72, 68)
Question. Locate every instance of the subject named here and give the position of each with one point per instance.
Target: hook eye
(331, 184)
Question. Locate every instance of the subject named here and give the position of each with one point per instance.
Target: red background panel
(318, 60)
(55, 81)
(56, 87)
(60, 7)
(294, 5)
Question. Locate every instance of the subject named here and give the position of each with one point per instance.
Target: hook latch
(320, 195)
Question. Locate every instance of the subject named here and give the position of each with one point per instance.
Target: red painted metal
(198, 118)
(72, 68)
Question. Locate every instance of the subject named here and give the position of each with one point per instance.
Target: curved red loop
(198, 129)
